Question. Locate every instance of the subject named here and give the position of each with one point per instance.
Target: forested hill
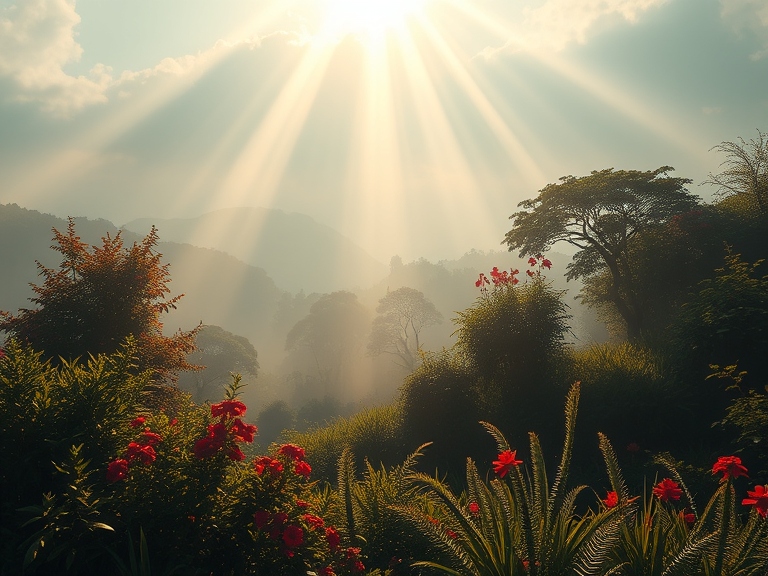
(296, 251)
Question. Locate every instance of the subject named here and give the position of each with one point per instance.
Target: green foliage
(601, 214)
(375, 434)
(522, 525)
(97, 298)
(726, 322)
(273, 420)
(402, 315)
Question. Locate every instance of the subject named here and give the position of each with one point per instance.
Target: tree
(97, 298)
(402, 315)
(745, 170)
(601, 214)
(325, 341)
(220, 353)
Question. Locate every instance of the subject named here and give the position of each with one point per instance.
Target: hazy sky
(413, 126)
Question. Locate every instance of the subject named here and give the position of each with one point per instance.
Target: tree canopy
(402, 315)
(601, 214)
(99, 296)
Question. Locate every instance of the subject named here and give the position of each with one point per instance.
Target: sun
(372, 18)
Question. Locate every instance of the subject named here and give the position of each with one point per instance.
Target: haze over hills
(296, 251)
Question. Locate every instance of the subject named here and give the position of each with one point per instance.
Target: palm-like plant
(523, 525)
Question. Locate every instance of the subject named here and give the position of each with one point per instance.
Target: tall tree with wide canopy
(601, 214)
(402, 315)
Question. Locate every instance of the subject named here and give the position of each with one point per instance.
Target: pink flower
(228, 408)
(117, 470)
(667, 490)
(729, 467)
(505, 462)
(303, 469)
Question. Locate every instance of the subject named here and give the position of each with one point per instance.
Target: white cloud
(748, 16)
(553, 24)
(37, 39)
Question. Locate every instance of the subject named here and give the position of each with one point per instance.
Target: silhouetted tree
(97, 298)
(601, 214)
(402, 315)
(221, 353)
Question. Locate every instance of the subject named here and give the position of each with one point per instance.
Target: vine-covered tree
(745, 170)
(601, 214)
(402, 315)
(99, 296)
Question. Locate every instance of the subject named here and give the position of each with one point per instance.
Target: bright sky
(412, 126)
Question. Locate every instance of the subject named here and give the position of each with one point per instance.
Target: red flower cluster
(499, 278)
(274, 467)
(729, 467)
(667, 490)
(539, 261)
(759, 499)
(296, 453)
(505, 462)
(142, 451)
(277, 528)
(353, 561)
(226, 433)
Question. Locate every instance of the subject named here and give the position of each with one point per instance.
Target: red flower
(146, 454)
(293, 536)
(759, 499)
(530, 273)
(333, 538)
(313, 521)
(275, 467)
(173, 422)
(234, 453)
(611, 499)
(547, 264)
(690, 518)
(505, 462)
(205, 448)
(353, 553)
(279, 518)
(532, 261)
(451, 534)
(730, 467)
(218, 433)
(302, 504)
(303, 469)
(292, 451)
(228, 408)
(150, 438)
(138, 421)
(667, 490)
(242, 432)
(474, 508)
(261, 518)
(327, 571)
(117, 470)
(358, 567)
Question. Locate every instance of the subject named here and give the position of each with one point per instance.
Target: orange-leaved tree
(98, 297)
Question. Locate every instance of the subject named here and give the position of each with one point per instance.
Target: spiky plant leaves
(612, 467)
(346, 481)
(501, 442)
(571, 410)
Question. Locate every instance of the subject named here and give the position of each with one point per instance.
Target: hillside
(295, 250)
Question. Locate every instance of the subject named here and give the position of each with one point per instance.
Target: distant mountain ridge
(296, 251)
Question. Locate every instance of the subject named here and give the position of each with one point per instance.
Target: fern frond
(501, 442)
(612, 467)
(571, 410)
